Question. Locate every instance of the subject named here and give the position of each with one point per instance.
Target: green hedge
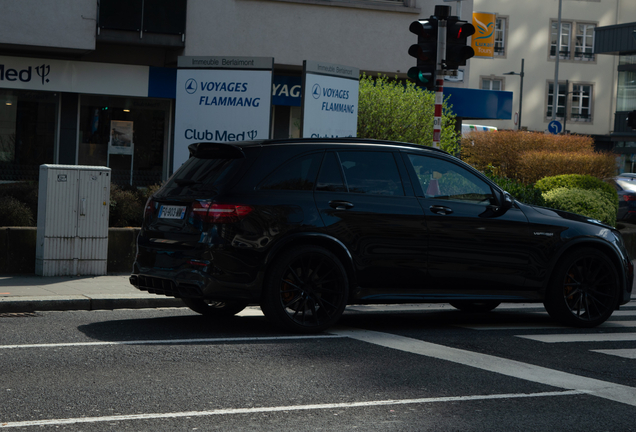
(577, 181)
(19, 204)
(591, 203)
(15, 213)
(525, 193)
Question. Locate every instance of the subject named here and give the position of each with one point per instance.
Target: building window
(582, 38)
(28, 130)
(584, 42)
(562, 38)
(626, 95)
(580, 108)
(560, 102)
(149, 120)
(492, 83)
(576, 101)
(501, 26)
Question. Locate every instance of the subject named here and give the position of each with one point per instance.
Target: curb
(84, 303)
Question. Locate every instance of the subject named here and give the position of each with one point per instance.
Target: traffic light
(631, 119)
(457, 50)
(425, 51)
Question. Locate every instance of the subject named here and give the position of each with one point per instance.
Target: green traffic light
(418, 75)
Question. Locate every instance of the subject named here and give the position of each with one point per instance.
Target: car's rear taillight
(150, 207)
(629, 197)
(219, 213)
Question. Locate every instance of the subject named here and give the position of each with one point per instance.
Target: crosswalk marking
(551, 325)
(587, 337)
(626, 353)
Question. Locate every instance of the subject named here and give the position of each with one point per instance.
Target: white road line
(230, 411)
(512, 368)
(626, 353)
(624, 312)
(587, 337)
(530, 326)
(169, 341)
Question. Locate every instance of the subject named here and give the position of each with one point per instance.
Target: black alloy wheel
(306, 290)
(214, 309)
(474, 306)
(584, 290)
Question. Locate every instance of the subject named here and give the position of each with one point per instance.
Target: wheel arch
(578, 244)
(330, 243)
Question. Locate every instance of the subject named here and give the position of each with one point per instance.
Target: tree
(401, 111)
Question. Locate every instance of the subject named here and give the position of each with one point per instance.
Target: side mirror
(503, 203)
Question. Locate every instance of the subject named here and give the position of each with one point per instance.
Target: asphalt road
(394, 368)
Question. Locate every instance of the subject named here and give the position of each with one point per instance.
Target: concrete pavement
(28, 293)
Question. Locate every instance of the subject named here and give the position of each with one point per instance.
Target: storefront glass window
(27, 133)
(100, 116)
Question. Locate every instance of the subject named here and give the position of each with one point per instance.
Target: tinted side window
(330, 178)
(441, 179)
(297, 174)
(374, 173)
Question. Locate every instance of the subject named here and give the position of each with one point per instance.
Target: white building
(527, 31)
(69, 68)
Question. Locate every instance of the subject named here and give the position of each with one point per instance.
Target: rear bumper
(193, 284)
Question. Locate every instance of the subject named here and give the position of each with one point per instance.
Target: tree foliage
(401, 111)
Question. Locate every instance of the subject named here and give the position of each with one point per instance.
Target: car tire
(584, 290)
(306, 290)
(475, 306)
(215, 309)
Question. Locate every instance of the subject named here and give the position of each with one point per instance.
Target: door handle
(340, 205)
(83, 207)
(441, 210)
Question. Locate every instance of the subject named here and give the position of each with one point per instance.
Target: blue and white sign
(330, 100)
(287, 90)
(555, 127)
(220, 105)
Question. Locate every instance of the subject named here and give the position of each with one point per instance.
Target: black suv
(306, 227)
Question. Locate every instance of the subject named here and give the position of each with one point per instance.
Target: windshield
(203, 175)
(628, 185)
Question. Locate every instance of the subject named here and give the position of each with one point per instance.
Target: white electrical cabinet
(72, 235)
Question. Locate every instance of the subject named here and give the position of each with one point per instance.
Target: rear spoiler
(207, 150)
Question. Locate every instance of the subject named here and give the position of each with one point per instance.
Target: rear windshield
(203, 175)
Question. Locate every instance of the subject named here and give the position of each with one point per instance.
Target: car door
(364, 203)
(470, 248)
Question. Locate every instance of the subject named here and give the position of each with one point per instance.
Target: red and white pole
(437, 122)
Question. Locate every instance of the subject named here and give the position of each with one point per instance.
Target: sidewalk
(28, 293)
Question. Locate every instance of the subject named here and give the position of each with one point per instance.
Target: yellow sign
(483, 41)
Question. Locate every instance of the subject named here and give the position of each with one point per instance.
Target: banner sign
(286, 90)
(73, 76)
(483, 41)
(221, 105)
(330, 100)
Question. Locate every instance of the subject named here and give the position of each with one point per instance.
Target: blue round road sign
(555, 127)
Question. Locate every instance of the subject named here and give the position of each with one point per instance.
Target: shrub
(535, 165)
(591, 203)
(574, 181)
(15, 213)
(527, 156)
(127, 205)
(24, 192)
(525, 193)
(398, 111)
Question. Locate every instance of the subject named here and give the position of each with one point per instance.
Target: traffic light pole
(437, 122)
(439, 82)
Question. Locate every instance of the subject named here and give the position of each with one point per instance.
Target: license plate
(171, 212)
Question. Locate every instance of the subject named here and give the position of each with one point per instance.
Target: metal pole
(567, 95)
(520, 94)
(556, 65)
(437, 122)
